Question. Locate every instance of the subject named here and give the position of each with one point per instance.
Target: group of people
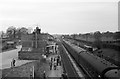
(54, 62)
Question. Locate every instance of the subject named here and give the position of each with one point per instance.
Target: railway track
(87, 70)
(94, 67)
(69, 67)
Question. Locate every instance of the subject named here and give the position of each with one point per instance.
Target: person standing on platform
(57, 60)
(51, 66)
(44, 75)
(51, 59)
(54, 59)
(55, 65)
(14, 62)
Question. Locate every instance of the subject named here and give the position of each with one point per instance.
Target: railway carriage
(94, 65)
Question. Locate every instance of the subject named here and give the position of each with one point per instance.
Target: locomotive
(96, 67)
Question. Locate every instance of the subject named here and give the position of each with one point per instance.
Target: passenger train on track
(93, 65)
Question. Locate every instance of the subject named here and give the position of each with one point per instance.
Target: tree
(97, 37)
(117, 35)
(11, 31)
(2, 34)
(23, 30)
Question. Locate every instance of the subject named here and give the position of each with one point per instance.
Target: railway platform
(55, 68)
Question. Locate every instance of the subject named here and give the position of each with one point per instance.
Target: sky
(60, 16)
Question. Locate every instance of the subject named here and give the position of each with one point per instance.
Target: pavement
(54, 73)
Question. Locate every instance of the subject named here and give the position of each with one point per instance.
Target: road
(7, 56)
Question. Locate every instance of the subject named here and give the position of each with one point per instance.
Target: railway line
(83, 65)
(69, 68)
(91, 66)
(86, 71)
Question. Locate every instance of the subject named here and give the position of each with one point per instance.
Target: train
(94, 66)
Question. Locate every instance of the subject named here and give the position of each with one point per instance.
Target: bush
(5, 48)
